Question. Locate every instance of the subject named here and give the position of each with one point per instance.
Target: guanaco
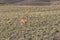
(23, 20)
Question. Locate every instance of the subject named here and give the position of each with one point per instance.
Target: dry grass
(43, 22)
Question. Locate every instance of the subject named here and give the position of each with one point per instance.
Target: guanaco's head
(23, 20)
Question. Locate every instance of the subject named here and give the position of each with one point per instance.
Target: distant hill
(27, 2)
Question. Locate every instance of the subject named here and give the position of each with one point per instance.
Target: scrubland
(43, 22)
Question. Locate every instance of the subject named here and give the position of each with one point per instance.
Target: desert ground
(40, 23)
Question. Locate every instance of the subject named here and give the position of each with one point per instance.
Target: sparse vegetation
(43, 22)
